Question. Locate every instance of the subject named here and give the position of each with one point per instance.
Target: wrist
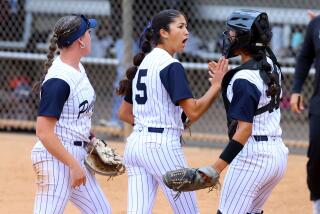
(220, 165)
(216, 87)
(72, 163)
(231, 151)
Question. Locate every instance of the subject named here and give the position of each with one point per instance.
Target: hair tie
(148, 28)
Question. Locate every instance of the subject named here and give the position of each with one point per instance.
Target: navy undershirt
(54, 94)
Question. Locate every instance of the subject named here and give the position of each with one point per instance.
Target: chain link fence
(26, 26)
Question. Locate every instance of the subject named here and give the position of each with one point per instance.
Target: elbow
(120, 115)
(40, 133)
(249, 132)
(246, 131)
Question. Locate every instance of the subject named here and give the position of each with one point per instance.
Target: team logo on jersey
(84, 107)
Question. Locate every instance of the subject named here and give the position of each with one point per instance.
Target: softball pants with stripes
(54, 187)
(252, 175)
(148, 155)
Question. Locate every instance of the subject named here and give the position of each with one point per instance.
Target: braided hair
(64, 27)
(261, 34)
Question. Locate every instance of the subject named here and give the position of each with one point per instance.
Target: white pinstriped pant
(147, 157)
(252, 175)
(54, 187)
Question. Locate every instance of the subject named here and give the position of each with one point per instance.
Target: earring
(82, 45)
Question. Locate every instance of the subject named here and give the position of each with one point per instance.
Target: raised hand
(217, 70)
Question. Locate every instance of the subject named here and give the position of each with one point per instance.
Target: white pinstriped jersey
(154, 146)
(265, 123)
(157, 110)
(67, 95)
(258, 168)
(75, 119)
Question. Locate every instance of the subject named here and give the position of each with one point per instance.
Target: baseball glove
(102, 159)
(190, 179)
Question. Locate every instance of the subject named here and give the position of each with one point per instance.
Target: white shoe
(316, 206)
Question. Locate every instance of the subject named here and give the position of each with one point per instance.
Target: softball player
(63, 125)
(251, 92)
(154, 102)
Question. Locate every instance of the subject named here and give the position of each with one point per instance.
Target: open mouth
(184, 41)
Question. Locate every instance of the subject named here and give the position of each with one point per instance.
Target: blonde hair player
(64, 123)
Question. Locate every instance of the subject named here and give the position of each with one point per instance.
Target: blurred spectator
(296, 41)
(15, 101)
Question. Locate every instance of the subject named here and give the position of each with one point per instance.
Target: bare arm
(195, 108)
(45, 132)
(242, 134)
(125, 112)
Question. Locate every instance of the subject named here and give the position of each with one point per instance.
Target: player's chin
(180, 49)
(87, 52)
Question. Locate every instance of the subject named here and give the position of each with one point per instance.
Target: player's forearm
(52, 143)
(45, 132)
(199, 106)
(235, 145)
(125, 112)
(243, 132)
(220, 165)
(128, 118)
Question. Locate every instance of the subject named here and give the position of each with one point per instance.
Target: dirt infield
(17, 186)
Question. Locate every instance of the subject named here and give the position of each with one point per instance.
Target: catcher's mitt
(102, 159)
(190, 179)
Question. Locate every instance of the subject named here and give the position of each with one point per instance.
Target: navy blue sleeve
(174, 79)
(54, 94)
(245, 101)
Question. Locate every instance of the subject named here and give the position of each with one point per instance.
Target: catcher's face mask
(232, 40)
(227, 41)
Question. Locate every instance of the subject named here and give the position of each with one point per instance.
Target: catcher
(102, 159)
(256, 155)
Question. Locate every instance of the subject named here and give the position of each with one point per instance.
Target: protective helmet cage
(252, 30)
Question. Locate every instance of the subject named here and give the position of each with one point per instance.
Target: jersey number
(141, 87)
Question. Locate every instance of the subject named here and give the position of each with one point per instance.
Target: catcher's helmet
(251, 29)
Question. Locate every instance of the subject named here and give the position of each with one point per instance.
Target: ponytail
(50, 56)
(125, 85)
